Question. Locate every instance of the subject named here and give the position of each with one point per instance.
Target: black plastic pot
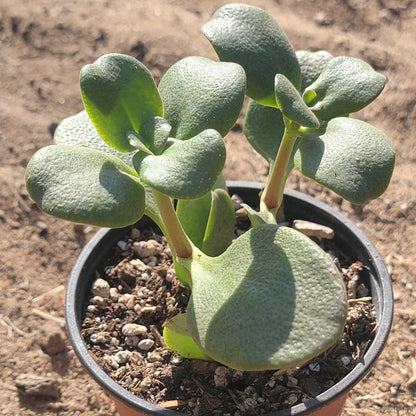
(348, 237)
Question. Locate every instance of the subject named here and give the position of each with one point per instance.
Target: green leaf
(253, 307)
(311, 65)
(250, 37)
(200, 94)
(85, 185)
(179, 339)
(345, 85)
(208, 221)
(259, 217)
(193, 215)
(119, 95)
(264, 128)
(78, 130)
(156, 132)
(351, 157)
(219, 231)
(185, 169)
(291, 103)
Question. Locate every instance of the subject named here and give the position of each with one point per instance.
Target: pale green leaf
(250, 37)
(193, 215)
(220, 226)
(345, 85)
(311, 65)
(156, 131)
(200, 94)
(351, 157)
(264, 128)
(119, 95)
(85, 185)
(291, 104)
(78, 130)
(185, 169)
(259, 217)
(253, 307)
(179, 339)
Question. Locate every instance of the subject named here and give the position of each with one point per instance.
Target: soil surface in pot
(137, 292)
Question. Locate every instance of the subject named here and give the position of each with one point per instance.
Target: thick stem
(273, 192)
(176, 234)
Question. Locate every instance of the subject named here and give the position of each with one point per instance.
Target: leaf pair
(348, 156)
(126, 110)
(253, 307)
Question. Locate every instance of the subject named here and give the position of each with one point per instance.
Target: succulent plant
(271, 298)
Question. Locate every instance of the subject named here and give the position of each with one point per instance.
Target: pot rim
(383, 295)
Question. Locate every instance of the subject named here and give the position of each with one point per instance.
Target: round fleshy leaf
(200, 94)
(193, 215)
(179, 339)
(291, 103)
(311, 65)
(264, 128)
(219, 232)
(208, 221)
(250, 37)
(85, 185)
(78, 130)
(345, 85)
(253, 307)
(186, 168)
(352, 158)
(119, 95)
(156, 131)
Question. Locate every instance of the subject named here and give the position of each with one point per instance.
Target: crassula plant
(271, 298)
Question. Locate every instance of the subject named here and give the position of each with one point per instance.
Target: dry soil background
(43, 45)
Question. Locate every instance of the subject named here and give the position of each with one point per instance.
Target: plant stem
(176, 234)
(273, 193)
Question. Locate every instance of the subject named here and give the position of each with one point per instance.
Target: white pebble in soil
(132, 341)
(122, 356)
(101, 287)
(314, 367)
(98, 338)
(133, 329)
(147, 248)
(111, 361)
(146, 344)
(127, 299)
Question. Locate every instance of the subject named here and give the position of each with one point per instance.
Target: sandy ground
(43, 45)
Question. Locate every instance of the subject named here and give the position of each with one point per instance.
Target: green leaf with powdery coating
(200, 94)
(219, 231)
(291, 103)
(85, 185)
(185, 169)
(253, 307)
(264, 128)
(351, 157)
(119, 95)
(78, 130)
(311, 65)
(193, 215)
(208, 221)
(250, 37)
(179, 339)
(345, 85)
(156, 131)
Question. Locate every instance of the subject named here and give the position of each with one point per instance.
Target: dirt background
(43, 45)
